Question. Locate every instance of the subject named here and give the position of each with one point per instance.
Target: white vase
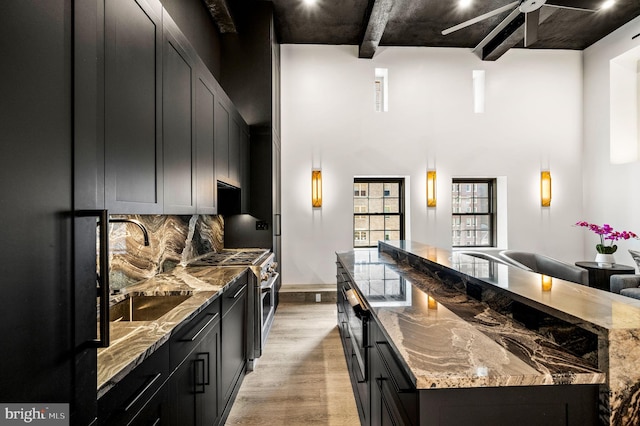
(605, 260)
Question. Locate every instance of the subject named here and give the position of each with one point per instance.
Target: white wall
(610, 190)
(532, 121)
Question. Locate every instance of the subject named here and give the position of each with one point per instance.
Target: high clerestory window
(378, 210)
(473, 206)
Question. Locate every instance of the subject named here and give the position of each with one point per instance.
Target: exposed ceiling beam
(219, 10)
(506, 36)
(376, 23)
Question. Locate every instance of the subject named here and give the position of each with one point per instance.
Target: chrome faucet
(135, 222)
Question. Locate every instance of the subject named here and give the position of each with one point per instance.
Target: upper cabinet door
(205, 136)
(222, 140)
(234, 150)
(178, 124)
(133, 107)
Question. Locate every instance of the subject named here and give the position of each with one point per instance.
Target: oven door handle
(268, 286)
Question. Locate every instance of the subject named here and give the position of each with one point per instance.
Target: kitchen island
(467, 329)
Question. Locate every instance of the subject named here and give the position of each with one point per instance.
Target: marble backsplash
(172, 240)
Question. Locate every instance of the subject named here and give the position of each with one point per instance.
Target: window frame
(492, 210)
(401, 206)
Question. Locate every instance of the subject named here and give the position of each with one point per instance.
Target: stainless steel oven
(263, 304)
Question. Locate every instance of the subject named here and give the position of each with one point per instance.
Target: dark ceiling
(369, 23)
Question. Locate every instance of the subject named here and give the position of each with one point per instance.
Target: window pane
(375, 236)
(376, 205)
(481, 189)
(466, 205)
(483, 222)
(391, 205)
(392, 189)
(376, 223)
(482, 205)
(392, 235)
(376, 190)
(360, 223)
(392, 223)
(360, 205)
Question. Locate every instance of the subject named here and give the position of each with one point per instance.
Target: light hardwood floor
(301, 378)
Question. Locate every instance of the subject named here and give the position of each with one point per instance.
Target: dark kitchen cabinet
(234, 329)
(245, 168)
(195, 383)
(205, 149)
(221, 124)
(142, 394)
(178, 105)
(251, 76)
(229, 129)
(46, 320)
(394, 399)
(133, 106)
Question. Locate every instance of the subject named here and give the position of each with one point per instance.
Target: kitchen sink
(144, 308)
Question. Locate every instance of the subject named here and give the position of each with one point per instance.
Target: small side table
(599, 275)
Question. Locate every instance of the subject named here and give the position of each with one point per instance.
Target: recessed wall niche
(624, 75)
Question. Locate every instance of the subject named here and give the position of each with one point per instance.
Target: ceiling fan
(531, 11)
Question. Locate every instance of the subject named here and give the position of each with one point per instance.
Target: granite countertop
(133, 342)
(449, 340)
(596, 309)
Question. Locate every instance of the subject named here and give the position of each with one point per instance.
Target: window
(381, 87)
(473, 206)
(378, 211)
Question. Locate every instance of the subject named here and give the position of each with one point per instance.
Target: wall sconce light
(431, 188)
(545, 188)
(432, 303)
(316, 188)
(547, 282)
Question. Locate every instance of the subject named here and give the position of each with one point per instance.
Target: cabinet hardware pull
(364, 380)
(195, 335)
(383, 348)
(145, 388)
(197, 382)
(103, 277)
(238, 292)
(207, 375)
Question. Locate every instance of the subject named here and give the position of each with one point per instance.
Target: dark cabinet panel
(177, 128)
(234, 150)
(129, 397)
(205, 148)
(245, 174)
(234, 308)
(133, 145)
(222, 140)
(195, 384)
(195, 356)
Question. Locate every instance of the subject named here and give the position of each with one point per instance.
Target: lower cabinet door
(156, 411)
(195, 385)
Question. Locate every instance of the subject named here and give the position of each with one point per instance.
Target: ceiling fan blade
(481, 18)
(531, 21)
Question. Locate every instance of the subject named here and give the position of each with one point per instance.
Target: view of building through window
(473, 208)
(378, 211)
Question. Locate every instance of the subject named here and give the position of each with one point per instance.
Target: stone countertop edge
(133, 342)
(418, 366)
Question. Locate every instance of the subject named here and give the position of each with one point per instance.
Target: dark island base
(521, 406)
